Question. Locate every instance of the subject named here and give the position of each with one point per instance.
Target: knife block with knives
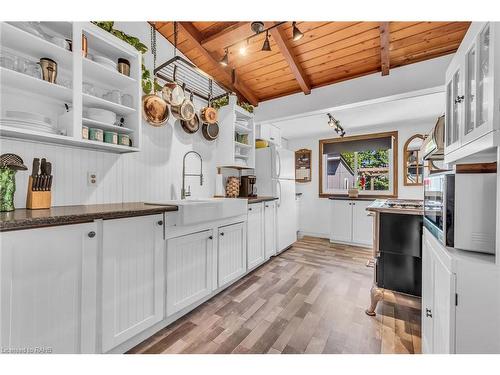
(40, 185)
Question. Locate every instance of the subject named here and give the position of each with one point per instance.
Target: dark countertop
(346, 198)
(62, 215)
(376, 207)
(259, 199)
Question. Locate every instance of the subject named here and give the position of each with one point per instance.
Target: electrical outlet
(92, 178)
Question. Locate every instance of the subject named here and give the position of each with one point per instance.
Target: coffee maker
(247, 188)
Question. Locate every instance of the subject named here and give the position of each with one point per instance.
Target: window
(366, 162)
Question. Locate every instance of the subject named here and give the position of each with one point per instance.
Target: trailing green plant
(221, 102)
(147, 80)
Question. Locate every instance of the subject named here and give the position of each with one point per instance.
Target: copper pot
(209, 114)
(155, 110)
(184, 111)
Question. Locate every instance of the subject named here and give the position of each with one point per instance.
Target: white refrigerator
(275, 172)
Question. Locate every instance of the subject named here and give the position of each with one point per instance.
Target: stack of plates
(28, 121)
(105, 61)
(101, 115)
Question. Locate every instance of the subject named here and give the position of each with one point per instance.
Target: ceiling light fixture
(225, 60)
(257, 26)
(266, 46)
(243, 48)
(297, 34)
(335, 124)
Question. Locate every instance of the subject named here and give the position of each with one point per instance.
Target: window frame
(395, 176)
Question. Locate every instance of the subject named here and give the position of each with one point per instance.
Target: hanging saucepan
(171, 92)
(192, 125)
(208, 114)
(155, 109)
(184, 111)
(210, 131)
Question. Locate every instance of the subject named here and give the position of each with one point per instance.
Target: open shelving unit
(236, 142)
(22, 92)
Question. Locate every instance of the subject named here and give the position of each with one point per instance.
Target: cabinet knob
(210, 237)
(267, 205)
(91, 234)
(249, 208)
(160, 222)
(428, 313)
(221, 233)
(459, 99)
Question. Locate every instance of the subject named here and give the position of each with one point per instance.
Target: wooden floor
(309, 299)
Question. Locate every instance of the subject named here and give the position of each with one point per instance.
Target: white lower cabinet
(231, 259)
(460, 300)
(255, 233)
(270, 229)
(133, 285)
(48, 289)
(190, 269)
(350, 222)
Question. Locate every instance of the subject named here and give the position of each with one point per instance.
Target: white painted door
(190, 269)
(341, 221)
(133, 277)
(427, 297)
(255, 235)
(362, 224)
(443, 313)
(48, 289)
(232, 251)
(269, 229)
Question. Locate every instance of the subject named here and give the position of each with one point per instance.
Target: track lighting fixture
(257, 26)
(266, 46)
(225, 60)
(297, 34)
(335, 124)
(243, 48)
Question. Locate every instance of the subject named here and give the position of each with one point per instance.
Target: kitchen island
(397, 248)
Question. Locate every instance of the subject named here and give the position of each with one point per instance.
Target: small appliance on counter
(9, 165)
(460, 208)
(247, 188)
(40, 185)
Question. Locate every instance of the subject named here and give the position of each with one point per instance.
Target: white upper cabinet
(48, 289)
(270, 133)
(472, 96)
(133, 289)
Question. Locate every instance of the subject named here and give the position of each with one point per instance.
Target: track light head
(225, 60)
(266, 46)
(257, 26)
(297, 34)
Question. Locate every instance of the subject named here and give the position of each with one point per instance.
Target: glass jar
(7, 189)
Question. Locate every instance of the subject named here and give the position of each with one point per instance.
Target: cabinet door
(232, 253)
(341, 221)
(269, 229)
(454, 109)
(133, 277)
(362, 224)
(470, 94)
(485, 105)
(189, 269)
(443, 313)
(265, 132)
(427, 297)
(48, 289)
(255, 235)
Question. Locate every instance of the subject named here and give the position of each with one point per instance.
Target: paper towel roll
(219, 186)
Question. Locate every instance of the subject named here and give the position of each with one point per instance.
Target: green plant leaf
(147, 86)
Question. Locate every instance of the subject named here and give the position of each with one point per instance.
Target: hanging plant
(147, 80)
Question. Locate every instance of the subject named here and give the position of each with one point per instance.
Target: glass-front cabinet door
(484, 92)
(470, 91)
(454, 109)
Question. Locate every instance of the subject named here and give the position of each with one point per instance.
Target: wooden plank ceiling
(329, 52)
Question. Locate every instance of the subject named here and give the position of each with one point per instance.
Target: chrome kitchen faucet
(185, 193)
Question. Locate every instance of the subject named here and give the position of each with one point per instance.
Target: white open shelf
(31, 84)
(106, 76)
(242, 145)
(48, 99)
(242, 129)
(17, 39)
(104, 126)
(12, 132)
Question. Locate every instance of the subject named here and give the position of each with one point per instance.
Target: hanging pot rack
(186, 74)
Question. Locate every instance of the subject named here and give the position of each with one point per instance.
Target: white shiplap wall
(154, 174)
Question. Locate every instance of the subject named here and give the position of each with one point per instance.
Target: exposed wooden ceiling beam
(195, 37)
(287, 51)
(384, 47)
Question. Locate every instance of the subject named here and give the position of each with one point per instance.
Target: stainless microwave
(460, 209)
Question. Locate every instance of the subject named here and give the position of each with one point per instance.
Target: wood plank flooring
(310, 299)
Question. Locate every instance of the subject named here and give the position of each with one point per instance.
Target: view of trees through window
(366, 170)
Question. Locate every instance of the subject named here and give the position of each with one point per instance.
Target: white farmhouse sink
(194, 211)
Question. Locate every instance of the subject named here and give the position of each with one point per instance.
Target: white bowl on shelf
(28, 116)
(105, 61)
(101, 115)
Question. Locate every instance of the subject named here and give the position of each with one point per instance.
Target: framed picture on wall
(303, 165)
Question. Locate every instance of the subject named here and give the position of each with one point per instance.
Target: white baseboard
(313, 234)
